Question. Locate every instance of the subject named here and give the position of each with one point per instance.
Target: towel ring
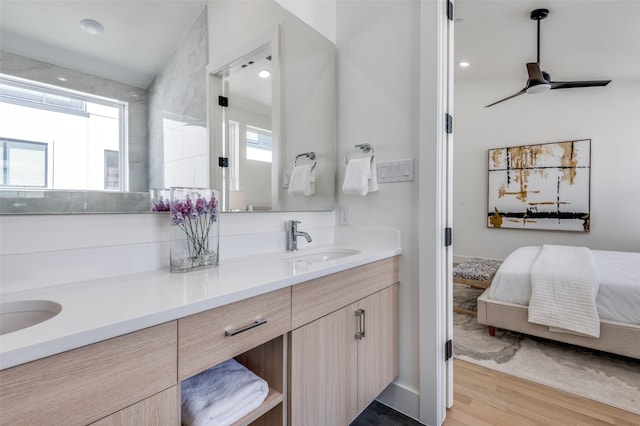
(310, 155)
(364, 147)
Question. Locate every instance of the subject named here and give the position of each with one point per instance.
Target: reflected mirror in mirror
(151, 59)
(264, 128)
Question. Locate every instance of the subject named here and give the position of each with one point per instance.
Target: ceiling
(580, 40)
(138, 38)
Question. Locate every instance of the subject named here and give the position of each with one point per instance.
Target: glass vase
(160, 199)
(194, 228)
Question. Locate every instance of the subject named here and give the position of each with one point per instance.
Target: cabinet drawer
(161, 409)
(86, 384)
(319, 297)
(203, 338)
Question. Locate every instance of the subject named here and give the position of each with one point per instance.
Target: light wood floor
(487, 397)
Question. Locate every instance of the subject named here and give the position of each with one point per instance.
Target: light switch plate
(395, 171)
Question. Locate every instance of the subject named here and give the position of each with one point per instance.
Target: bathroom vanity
(322, 333)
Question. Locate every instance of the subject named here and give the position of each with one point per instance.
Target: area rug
(611, 379)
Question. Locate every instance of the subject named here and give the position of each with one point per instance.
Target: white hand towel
(301, 181)
(356, 178)
(373, 180)
(221, 395)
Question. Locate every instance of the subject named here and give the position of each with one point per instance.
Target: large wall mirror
(141, 82)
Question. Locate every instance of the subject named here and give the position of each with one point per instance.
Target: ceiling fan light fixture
(538, 88)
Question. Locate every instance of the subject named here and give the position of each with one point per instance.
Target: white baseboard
(402, 399)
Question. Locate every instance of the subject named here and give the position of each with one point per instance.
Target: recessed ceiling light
(91, 26)
(264, 74)
(464, 64)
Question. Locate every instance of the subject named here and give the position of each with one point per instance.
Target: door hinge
(223, 101)
(448, 350)
(223, 162)
(448, 237)
(450, 10)
(449, 123)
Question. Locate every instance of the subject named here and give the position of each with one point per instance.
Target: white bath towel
(356, 178)
(302, 181)
(564, 288)
(221, 395)
(373, 177)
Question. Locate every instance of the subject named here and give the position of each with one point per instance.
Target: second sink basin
(319, 255)
(21, 314)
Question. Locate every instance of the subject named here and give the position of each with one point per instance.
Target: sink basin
(21, 314)
(320, 255)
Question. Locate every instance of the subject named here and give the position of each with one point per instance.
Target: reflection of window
(258, 144)
(111, 169)
(77, 130)
(24, 163)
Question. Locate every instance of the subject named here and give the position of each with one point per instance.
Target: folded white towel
(302, 181)
(373, 179)
(221, 395)
(356, 178)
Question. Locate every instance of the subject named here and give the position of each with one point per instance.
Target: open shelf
(268, 361)
(273, 399)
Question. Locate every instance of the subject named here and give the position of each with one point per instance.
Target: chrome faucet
(293, 234)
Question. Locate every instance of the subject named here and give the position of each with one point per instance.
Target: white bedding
(619, 291)
(564, 287)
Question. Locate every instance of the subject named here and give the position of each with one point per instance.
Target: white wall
(609, 116)
(378, 81)
(319, 14)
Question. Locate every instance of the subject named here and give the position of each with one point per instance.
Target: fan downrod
(539, 14)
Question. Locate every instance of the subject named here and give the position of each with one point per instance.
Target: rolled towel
(221, 395)
(356, 178)
(302, 180)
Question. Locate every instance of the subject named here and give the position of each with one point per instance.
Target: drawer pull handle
(232, 332)
(360, 334)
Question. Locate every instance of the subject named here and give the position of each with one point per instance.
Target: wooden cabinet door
(323, 375)
(378, 348)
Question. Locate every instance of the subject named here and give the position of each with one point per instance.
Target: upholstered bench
(477, 272)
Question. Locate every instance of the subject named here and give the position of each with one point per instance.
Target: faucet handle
(293, 223)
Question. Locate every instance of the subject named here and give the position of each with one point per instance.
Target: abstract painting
(544, 186)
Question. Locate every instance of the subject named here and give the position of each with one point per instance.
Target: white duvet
(618, 297)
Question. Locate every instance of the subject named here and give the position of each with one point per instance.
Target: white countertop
(96, 310)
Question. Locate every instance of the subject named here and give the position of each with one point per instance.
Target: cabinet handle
(232, 332)
(360, 334)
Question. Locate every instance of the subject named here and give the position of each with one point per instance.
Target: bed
(612, 283)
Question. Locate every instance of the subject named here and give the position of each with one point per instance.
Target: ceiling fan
(540, 81)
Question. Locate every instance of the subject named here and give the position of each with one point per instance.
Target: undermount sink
(319, 255)
(21, 314)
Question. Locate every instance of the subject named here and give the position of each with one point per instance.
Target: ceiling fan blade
(507, 98)
(535, 73)
(572, 84)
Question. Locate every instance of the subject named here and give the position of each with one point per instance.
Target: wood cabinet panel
(88, 383)
(378, 350)
(323, 371)
(315, 298)
(202, 339)
(162, 409)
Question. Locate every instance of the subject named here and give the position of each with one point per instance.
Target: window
(55, 138)
(259, 144)
(24, 163)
